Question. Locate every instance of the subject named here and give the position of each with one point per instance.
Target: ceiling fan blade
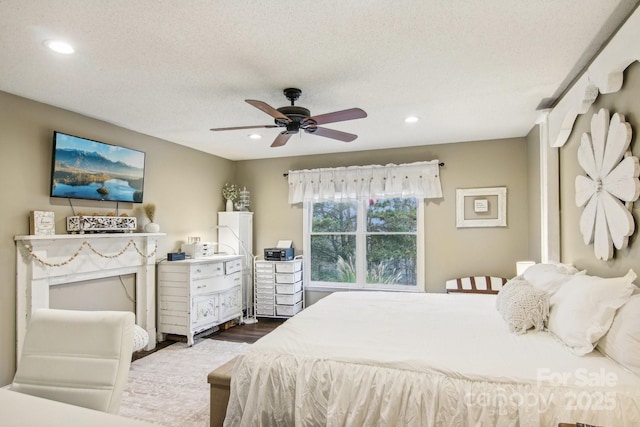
(331, 133)
(281, 139)
(339, 116)
(263, 106)
(245, 127)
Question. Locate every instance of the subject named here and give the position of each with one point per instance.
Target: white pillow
(522, 306)
(622, 342)
(583, 308)
(549, 277)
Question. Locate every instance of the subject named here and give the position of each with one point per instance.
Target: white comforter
(397, 359)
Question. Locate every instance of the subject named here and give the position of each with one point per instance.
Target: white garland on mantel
(87, 244)
(420, 180)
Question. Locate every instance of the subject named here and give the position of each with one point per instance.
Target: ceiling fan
(295, 118)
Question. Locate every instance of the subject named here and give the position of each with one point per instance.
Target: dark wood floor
(249, 333)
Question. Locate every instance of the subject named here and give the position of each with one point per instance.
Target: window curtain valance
(420, 180)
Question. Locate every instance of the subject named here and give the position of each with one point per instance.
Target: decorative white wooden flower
(612, 178)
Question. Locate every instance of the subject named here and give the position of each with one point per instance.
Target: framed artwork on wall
(481, 207)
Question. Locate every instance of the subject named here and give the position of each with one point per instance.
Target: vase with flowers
(230, 192)
(149, 210)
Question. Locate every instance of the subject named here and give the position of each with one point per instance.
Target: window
(369, 244)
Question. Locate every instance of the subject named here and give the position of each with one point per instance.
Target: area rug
(169, 387)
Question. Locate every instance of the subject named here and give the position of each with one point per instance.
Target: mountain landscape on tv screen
(83, 174)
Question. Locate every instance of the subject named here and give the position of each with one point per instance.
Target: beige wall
(450, 252)
(573, 249)
(184, 184)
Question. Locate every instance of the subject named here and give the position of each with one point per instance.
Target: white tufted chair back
(77, 357)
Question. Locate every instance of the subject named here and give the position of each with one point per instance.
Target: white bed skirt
(303, 392)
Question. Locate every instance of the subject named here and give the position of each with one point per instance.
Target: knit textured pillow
(140, 338)
(523, 306)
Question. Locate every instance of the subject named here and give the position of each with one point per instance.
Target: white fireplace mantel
(45, 261)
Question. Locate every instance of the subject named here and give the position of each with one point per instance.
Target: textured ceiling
(471, 70)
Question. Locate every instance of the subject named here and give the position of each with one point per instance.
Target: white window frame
(361, 263)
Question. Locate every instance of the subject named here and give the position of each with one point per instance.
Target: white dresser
(279, 291)
(198, 294)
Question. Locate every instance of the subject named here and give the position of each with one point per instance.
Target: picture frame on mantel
(42, 223)
(481, 207)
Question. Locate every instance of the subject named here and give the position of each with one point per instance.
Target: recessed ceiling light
(411, 119)
(255, 136)
(59, 46)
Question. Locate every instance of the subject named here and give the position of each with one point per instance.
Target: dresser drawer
(214, 269)
(232, 280)
(232, 266)
(215, 284)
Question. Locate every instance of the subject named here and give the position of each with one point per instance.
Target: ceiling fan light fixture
(411, 119)
(59, 46)
(295, 118)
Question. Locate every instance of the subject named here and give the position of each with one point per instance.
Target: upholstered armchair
(77, 357)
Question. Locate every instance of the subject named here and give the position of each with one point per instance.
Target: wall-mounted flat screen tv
(87, 169)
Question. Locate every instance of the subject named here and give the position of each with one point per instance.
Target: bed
(404, 359)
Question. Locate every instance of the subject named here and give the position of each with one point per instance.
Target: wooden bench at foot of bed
(220, 380)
